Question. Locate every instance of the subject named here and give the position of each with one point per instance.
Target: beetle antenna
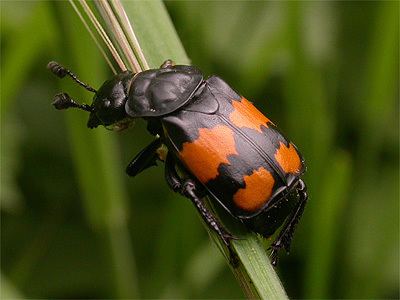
(64, 101)
(60, 71)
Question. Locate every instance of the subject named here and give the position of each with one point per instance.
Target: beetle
(219, 145)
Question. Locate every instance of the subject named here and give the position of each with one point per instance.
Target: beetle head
(108, 106)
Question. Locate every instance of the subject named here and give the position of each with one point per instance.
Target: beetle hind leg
(285, 236)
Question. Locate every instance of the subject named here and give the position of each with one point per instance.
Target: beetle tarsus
(285, 236)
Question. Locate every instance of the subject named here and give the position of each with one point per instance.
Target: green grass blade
(155, 32)
(257, 268)
(119, 37)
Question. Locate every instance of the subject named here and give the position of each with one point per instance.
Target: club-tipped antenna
(60, 71)
(64, 101)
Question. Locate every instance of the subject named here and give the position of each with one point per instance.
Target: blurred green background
(74, 226)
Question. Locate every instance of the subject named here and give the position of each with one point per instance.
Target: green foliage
(73, 225)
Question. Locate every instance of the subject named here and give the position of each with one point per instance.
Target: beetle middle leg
(192, 190)
(285, 236)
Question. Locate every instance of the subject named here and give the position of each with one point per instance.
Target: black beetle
(224, 147)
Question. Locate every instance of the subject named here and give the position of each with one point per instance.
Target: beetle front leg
(285, 236)
(144, 159)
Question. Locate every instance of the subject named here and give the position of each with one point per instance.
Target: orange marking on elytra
(257, 191)
(288, 158)
(205, 154)
(247, 115)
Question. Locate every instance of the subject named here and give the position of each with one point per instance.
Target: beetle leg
(168, 63)
(144, 159)
(285, 236)
(189, 190)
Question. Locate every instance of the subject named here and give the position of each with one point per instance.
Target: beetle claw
(230, 237)
(275, 248)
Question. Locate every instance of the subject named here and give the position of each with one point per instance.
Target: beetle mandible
(227, 149)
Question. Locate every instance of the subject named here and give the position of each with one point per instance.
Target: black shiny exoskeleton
(222, 146)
